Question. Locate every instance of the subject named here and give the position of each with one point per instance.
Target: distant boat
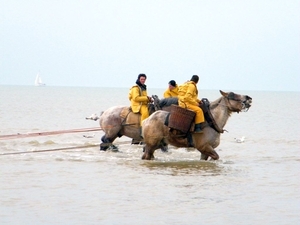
(38, 81)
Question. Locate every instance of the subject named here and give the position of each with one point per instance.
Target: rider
(188, 98)
(172, 90)
(138, 97)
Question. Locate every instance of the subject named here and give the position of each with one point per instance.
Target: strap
(208, 116)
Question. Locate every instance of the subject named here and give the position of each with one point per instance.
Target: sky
(232, 45)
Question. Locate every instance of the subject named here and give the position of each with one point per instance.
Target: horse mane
(151, 108)
(215, 112)
(215, 103)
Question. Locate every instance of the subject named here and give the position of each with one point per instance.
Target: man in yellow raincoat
(188, 98)
(172, 90)
(138, 97)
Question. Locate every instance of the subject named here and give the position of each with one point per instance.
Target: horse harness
(204, 105)
(232, 96)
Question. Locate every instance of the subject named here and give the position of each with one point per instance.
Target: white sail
(38, 81)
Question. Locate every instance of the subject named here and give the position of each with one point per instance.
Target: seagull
(92, 117)
(240, 140)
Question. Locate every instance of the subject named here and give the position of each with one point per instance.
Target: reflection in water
(203, 168)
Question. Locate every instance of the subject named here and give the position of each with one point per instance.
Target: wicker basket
(180, 118)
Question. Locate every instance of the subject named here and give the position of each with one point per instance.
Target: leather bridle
(245, 104)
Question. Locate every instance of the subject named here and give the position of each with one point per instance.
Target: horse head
(237, 102)
(156, 102)
(151, 108)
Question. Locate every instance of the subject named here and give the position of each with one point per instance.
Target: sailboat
(38, 81)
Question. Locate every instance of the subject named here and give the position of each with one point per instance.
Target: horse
(156, 133)
(117, 121)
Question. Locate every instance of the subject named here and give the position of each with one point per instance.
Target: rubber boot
(197, 128)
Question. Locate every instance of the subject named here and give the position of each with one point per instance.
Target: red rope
(48, 150)
(18, 135)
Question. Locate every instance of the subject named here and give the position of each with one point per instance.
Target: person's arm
(167, 94)
(137, 97)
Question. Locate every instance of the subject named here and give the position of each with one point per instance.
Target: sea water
(254, 182)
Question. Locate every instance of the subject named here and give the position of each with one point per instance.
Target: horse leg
(148, 153)
(106, 143)
(209, 152)
(203, 156)
(149, 148)
(164, 147)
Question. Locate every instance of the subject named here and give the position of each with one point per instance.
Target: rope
(58, 149)
(18, 135)
(49, 150)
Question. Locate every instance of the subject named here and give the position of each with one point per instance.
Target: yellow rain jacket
(171, 93)
(139, 101)
(188, 98)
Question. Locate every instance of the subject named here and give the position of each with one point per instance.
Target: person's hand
(150, 99)
(199, 103)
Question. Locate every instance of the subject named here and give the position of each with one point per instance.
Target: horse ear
(223, 93)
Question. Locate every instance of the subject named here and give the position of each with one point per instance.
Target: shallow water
(254, 182)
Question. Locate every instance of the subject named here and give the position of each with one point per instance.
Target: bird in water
(92, 117)
(240, 140)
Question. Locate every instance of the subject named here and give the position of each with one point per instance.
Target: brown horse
(157, 134)
(120, 120)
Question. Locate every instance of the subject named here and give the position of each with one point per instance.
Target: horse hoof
(113, 148)
(135, 142)
(147, 157)
(103, 148)
(164, 149)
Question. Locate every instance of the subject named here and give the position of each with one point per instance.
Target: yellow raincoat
(188, 98)
(139, 102)
(171, 93)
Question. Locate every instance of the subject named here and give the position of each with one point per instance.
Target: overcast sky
(231, 45)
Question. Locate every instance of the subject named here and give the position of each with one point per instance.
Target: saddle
(130, 118)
